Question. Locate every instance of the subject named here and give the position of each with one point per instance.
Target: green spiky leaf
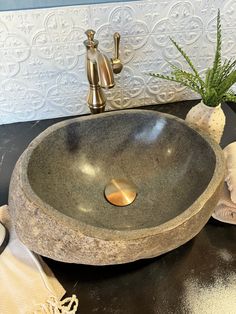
(229, 97)
(218, 79)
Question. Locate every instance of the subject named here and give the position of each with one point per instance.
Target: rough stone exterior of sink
(48, 232)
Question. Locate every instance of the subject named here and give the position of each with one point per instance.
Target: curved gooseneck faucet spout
(100, 71)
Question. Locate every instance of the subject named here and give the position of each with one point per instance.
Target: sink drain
(120, 192)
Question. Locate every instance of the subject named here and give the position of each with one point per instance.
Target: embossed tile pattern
(42, 72)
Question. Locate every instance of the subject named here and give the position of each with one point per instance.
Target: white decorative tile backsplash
(42, 72)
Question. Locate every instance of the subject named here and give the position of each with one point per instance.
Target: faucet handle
(116, 63)
(116, 37)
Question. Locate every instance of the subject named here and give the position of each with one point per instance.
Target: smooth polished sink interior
(70, 169)
(58, 187)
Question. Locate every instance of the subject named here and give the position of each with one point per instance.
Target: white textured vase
(209, 119)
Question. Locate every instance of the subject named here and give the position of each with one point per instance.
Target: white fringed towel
(225, 210)
(230, 157)
(27, 285)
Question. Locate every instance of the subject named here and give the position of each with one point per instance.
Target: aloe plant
(215, 87)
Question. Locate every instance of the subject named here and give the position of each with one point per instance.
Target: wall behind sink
(42, 71)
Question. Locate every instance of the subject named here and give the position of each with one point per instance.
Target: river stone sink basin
(57, 198)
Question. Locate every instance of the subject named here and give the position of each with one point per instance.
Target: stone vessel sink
(57, 198)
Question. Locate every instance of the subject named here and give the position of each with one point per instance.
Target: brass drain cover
(120, 192)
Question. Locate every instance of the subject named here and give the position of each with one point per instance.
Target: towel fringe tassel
(54, 306)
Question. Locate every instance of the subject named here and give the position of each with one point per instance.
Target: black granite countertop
(160, 285)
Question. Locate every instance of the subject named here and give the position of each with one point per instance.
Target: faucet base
(96, 99)
(95, 110)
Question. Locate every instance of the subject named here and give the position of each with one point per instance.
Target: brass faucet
(100, 71)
